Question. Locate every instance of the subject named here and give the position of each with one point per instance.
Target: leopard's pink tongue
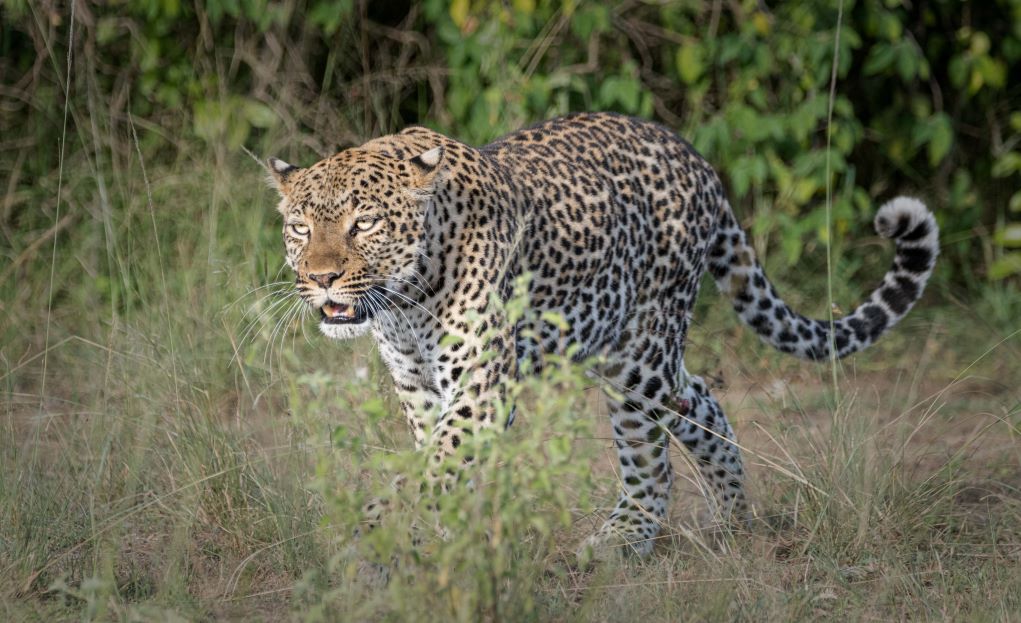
(338, 310)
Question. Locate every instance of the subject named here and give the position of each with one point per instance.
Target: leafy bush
(482, 554)
(922, 101)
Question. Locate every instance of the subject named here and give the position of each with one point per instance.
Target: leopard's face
(353, 229)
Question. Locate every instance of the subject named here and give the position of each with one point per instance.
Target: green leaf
(625, 91)
(450, 340)
(1007, 164)
(207, 119)
(259, 114)
(329, 15)
(375, 408)
(590, 21)
(880, 58)
(739, 179)
(907, 64)
(792, 247)
(958, 71)
(106, 30)
(629, 94)
(556, 320)
(459, 12)
(1006, 266)
(979, 43)
(890, 26)
(690, 62)
(238, 129)
(524, 6)
(1008, 235)
(1015, 121)
(940, 139)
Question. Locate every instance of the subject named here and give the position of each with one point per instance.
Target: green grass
(168, 452)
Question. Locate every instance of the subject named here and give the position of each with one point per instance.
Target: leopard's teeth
(338, 310)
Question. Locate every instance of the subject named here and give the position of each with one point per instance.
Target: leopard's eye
(365, 223)
(298, 229)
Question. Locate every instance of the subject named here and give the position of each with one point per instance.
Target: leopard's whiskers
(411, 302)
(250, 331)
(411, 327)
(383, 279)
(280, 324)
(256, 289)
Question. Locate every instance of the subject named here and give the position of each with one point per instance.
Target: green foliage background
(926, 94)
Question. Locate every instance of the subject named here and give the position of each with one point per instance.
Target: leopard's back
(617, 211)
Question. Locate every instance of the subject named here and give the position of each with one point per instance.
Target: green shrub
(483, 553)
(923, 102)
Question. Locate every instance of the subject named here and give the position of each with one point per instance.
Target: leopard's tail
(738, 275)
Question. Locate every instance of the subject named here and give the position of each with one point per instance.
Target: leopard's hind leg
(696, 420)
(652, 401)
(639, 379)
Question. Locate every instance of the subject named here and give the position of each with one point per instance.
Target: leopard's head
(353, 230)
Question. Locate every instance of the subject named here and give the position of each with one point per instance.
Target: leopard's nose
(324, 279)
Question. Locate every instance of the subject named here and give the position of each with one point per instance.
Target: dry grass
(153, 482)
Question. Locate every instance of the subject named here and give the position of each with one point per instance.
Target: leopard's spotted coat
(616, 219)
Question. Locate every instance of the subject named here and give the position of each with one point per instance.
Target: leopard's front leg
(421, 402)
(471, 405)
(447, 404)
(472, 373)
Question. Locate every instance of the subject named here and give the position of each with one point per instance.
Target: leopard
(411, 237)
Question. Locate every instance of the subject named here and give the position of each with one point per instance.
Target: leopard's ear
(429, 160)
(281, 174)
(426, 167)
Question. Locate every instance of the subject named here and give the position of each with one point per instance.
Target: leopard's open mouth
(343, 313)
